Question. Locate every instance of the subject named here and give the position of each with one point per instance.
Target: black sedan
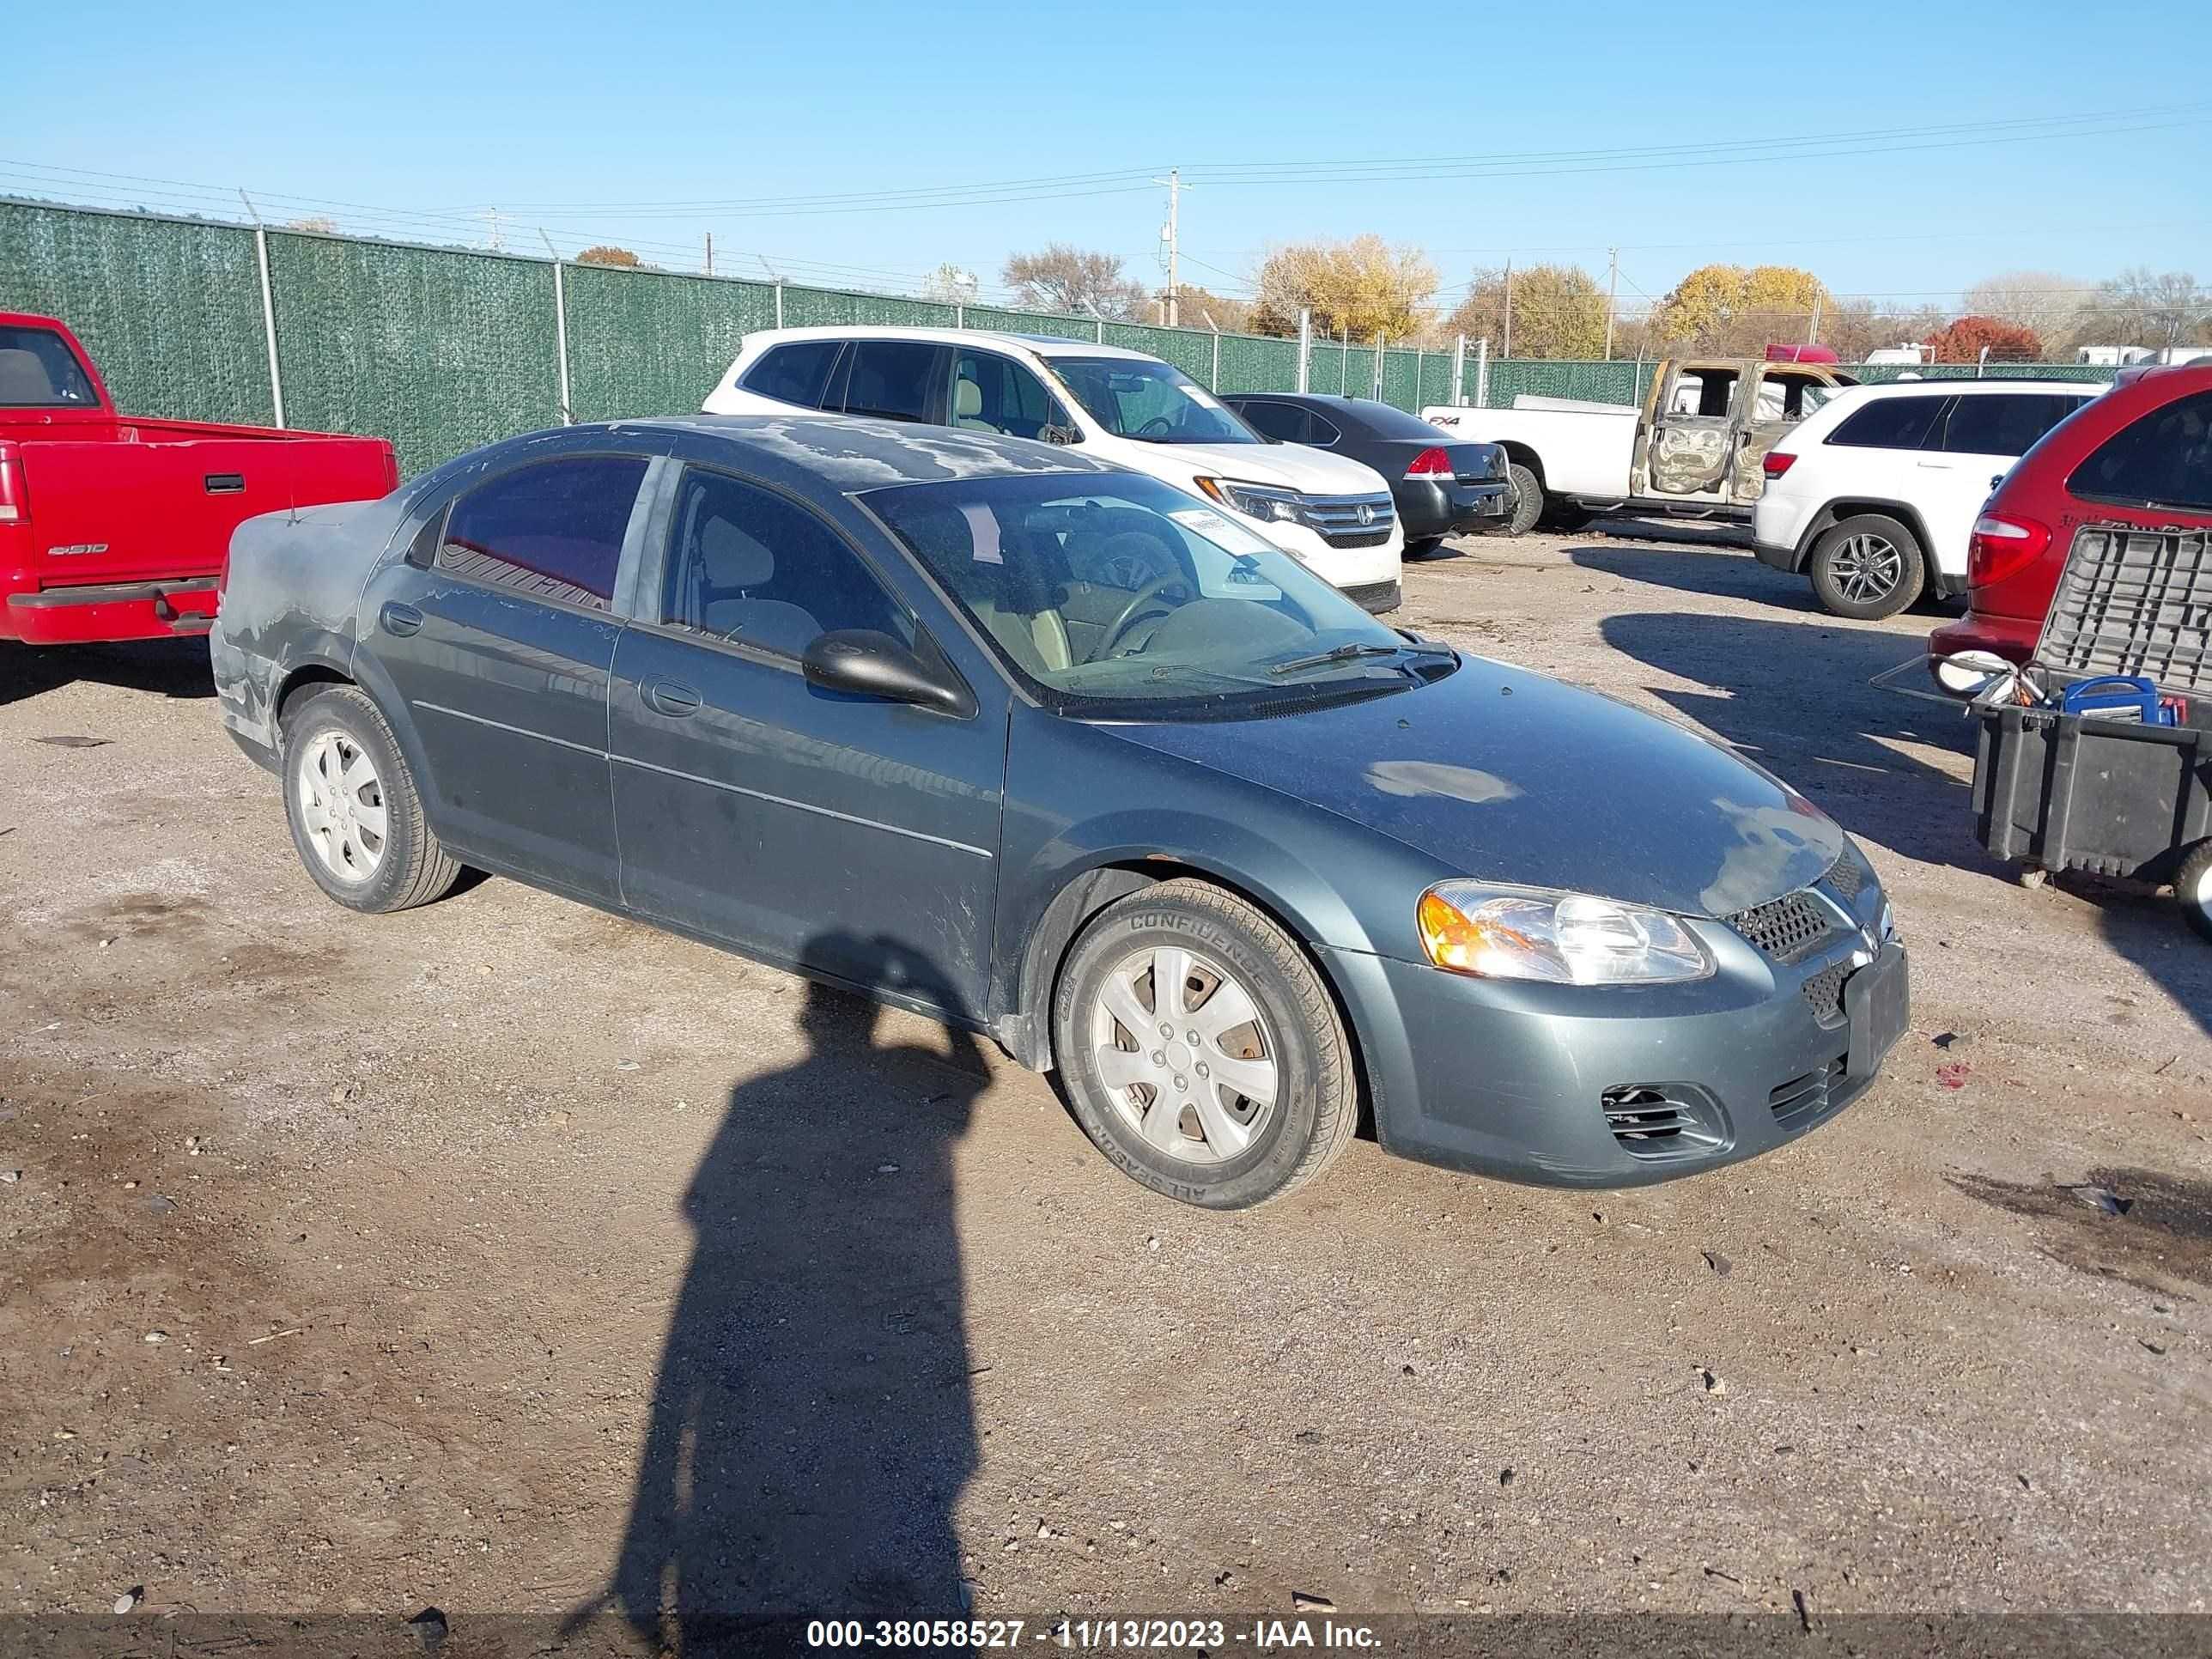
(1442, 485)
(1054, 751)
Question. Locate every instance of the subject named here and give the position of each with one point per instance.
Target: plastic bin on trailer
(2113, 796)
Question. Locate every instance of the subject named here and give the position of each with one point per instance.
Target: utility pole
(1171, 234)
(1612, 287)
(1813, 334)
(1506, 350)
(710, 253)
(491, 216)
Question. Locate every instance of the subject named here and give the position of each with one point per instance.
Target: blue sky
(580, 119)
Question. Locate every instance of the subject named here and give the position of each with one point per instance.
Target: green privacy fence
(440, 350)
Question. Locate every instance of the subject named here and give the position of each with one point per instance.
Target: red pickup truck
(115, 528)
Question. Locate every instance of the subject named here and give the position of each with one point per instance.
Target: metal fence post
(1305, 345)
(1214, 385)
(1459, 371)
(1421, 368)
(1098, 328)
(779, 302)
(560, 329)
(268, 309)
(959, 315)
(1482, 373)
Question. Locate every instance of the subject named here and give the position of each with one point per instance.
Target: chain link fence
(440, 350)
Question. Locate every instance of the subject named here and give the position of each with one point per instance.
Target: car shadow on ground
(811, 1425)
(1731, 573)
(171, 668)
(2151, 934)
(1794, 696)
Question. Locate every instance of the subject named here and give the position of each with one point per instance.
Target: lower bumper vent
(1803, 1099)
(1664, 1119)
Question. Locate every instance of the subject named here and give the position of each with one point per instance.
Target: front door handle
(399, 619)
(668, 697)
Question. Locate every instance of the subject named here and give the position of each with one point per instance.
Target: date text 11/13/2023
(1092, 1635)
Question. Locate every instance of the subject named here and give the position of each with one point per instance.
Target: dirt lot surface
(504, 1256)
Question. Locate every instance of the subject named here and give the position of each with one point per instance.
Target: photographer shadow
(811, 1423)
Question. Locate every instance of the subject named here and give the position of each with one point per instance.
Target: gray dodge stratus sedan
(1047, 749)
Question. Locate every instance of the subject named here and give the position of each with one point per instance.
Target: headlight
(1567, 939)
(1262, 501)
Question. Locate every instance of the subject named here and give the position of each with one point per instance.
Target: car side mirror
(862, 662)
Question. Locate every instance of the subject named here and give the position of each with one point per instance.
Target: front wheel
(2193, 888)
(1201, 1050)
(1528, 500)
(1867, 567)
(356, 815)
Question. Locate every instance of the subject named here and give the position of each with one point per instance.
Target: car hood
(1290, 466)
(1505, 774)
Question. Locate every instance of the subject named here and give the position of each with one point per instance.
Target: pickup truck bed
(115, 528)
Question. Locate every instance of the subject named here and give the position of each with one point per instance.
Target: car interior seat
(731, 569)
(24, 379)
(968, 406)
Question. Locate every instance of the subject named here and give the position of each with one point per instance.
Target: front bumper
(1432, 507)
(1347, 568)
(1515, 1080)
(1376, 598)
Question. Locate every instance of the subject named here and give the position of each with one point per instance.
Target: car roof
(854, 453)
(1038, 346)
(1976, 388)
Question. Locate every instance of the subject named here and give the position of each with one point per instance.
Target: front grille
(1663, 1120)
(1804, 1098)
(1824, 991)
(1788, 929)
(1337, 518)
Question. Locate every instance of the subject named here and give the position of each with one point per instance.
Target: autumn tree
(1195, 304)
(1964, 341)
(606, 254)
(1729, 310)
(1559, 311)
(1062, 277)
(2049, 306)
(1366, 286)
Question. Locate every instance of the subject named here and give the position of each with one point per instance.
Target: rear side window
(895, 379)
(794, 374)
(2163, 459)
(2005, 424)
(1285, 422)
(1888, 423)
(553, 530)
(746, 564)
(39, 371)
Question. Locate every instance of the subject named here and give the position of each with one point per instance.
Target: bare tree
(1066, 278)
(951, 285)
(2163, 309)
(1230, 316)
(2047, 305)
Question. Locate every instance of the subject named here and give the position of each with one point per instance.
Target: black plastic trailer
(2115, 796)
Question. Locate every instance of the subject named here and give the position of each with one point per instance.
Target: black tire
(1423, 547)
(1528, 500)
(1316, 1107)
(411, 868)
(1851, 557)
(2193, 888)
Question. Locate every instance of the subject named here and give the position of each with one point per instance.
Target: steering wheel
(1160, 422)
(1151, 590)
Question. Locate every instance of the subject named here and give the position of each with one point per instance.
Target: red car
(113, 528)
(2139, 456)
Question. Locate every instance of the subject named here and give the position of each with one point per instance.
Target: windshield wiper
(1359, 648)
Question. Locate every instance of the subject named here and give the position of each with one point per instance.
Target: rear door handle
(670, 698)
(399, 619)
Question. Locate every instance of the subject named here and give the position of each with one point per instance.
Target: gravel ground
(504, 1256)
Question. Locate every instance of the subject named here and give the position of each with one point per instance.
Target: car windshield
(1112, 595)
(1156, 402)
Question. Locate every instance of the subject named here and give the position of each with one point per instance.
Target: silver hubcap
(1866, 569)
(341, 804)
(2201, 897)
(1184, 1053)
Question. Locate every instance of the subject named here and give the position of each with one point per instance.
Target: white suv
(1328, 512)
(1874, 496)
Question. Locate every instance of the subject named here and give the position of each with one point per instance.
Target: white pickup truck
(1694, 447)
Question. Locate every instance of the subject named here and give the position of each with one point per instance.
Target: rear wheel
(1867, 567)
(1528, 500)
(355, 816)
(1201, 1050)
(2193, 888)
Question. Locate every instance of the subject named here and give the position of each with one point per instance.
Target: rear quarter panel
(1581, 452)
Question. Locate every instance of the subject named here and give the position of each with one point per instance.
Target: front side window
(2003, 423)
(1889, 422)
(796, 373)
(991, 393)
(1114, 595)
(895, 379)
(1143, 398)
(39, 371)
(748, 565)
(2161, 459)
(553, 530)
